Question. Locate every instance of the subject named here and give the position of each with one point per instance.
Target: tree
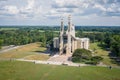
(101, 38)
(44, 40)
(115, 45)
(92, 37)
(1, 41)
(80, 55)
(108, 40)
(80, 33)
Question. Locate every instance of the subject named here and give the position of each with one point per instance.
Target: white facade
(56, 42)
(67, 42)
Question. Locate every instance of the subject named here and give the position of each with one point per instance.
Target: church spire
(69, 23)
(62, 26)
(68, 49)
(61, 37)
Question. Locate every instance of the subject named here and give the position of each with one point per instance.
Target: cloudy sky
(49, 12)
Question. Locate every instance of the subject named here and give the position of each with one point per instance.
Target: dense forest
(108, 36)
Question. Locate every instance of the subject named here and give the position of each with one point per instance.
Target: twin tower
(67, 42)
(66, 37)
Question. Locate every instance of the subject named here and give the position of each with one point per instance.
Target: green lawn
(1, 29)
(29, 51)
(41, 31)
(98, 51)
(16, 70)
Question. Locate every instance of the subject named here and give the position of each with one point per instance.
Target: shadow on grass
(114, 59)
(44, 52)
(102, 46)
(115, 62)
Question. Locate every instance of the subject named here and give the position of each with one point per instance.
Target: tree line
(108, 40)
(25, 36)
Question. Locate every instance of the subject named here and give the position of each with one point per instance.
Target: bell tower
(68, 50)
(61, 37)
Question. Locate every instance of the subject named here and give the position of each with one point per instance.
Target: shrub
(80, 55)
(96, 59)
(91, 62)
(76, 59)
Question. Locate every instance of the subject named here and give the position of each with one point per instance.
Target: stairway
(60, 58)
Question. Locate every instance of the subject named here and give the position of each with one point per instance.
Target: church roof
(83, 39)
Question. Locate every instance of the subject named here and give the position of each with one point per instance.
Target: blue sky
(49, 12)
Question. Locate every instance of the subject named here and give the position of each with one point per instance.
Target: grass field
(16, 70)
(29, 51)
(98, 51)
(1, 29)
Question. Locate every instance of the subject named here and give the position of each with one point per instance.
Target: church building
(67, 43)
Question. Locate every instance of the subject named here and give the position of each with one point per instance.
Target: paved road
(7, 49)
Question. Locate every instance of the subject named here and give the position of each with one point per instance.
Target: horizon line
(57, 25)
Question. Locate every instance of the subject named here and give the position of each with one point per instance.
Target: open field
(16, 70)
(8, 29)
(29, 51)
(98, 51)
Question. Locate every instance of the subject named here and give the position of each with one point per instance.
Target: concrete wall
(56, 42)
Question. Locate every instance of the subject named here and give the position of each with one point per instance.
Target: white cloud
(39, 9)
(98, 6)
(28, 9)
(11, 9)
(85, 5)
(110, 10)
(31, 4)
(31, 10)
(65, 3)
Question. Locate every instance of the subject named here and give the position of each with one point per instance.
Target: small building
(67, 43)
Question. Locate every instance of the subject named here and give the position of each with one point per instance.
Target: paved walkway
(56, 60)
(9, 48)
(53, 62)
(60, 58)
